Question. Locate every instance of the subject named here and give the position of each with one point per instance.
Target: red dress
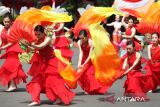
(153, 68)
(116, 39)
(87, 80)
(117, 36)
(11, 68)
(136, 84)
(63, 43)
(137, 42)
(46, 78)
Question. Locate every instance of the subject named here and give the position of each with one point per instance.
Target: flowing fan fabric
(4, 10)
(23, 27)
(66, 71)
(151, 21)
(105, 58)
(133, 13)
(93, 15)
(141, 6)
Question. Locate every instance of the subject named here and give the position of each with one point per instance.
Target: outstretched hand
(122, 76)
(24, 42)
(79, 69)
(126, 14)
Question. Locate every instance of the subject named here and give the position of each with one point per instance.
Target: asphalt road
(21, 98)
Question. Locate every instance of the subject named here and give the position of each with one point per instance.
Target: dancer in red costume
(87, 80)
(131, 32)
(46, 77)
(135, 85)
(153, 65)
(11, 72)
(61, 42)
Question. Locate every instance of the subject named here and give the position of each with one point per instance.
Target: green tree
(73, 5)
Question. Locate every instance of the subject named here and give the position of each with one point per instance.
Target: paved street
(21, 98)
